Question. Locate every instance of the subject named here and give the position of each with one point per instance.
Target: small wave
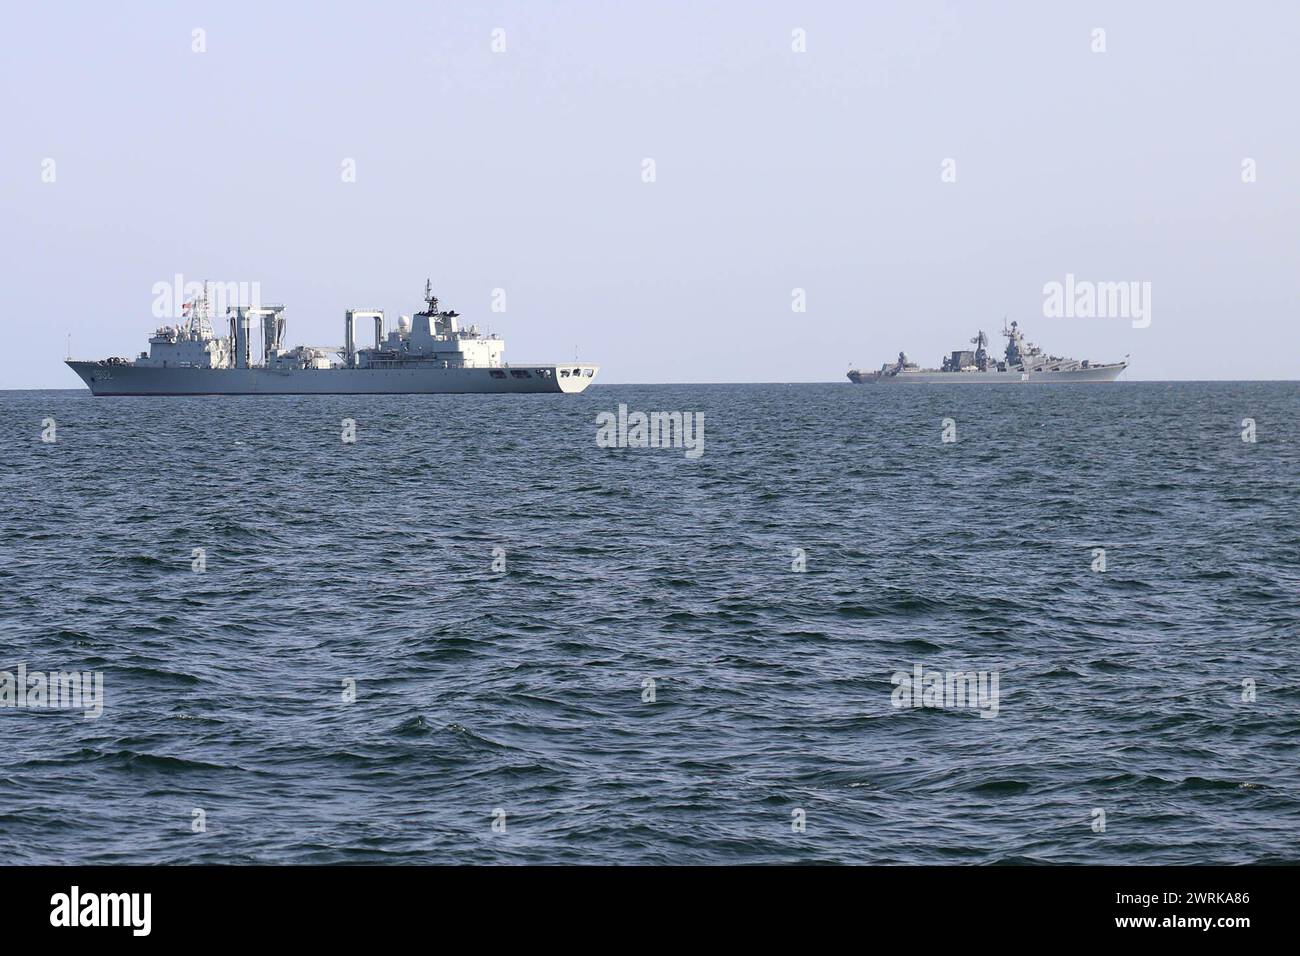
(415, 726)
(157, 674)
(1203, 783)
(1008, 786)
(136, 760)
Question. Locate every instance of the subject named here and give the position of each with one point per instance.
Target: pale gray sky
(775, 170)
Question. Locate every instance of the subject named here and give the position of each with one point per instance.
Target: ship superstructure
(429, 352)
(1022, 361)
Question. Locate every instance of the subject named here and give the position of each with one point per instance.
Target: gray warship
(1022, 362)
(427, 353)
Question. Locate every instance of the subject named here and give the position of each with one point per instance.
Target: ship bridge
(434, 336)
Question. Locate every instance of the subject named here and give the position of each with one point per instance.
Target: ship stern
(575, 378)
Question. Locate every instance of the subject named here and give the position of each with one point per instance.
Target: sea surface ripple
(478, 691)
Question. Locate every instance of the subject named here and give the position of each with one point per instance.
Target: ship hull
(125, 379)
(1101, 373)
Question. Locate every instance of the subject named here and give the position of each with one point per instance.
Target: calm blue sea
(474, 636)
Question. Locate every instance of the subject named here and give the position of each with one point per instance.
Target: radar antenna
(980, 340)
(430, 299)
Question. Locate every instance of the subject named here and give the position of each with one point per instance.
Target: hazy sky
(775, 170)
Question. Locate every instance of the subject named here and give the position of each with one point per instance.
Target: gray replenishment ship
(426, 353)
(1022, 362)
